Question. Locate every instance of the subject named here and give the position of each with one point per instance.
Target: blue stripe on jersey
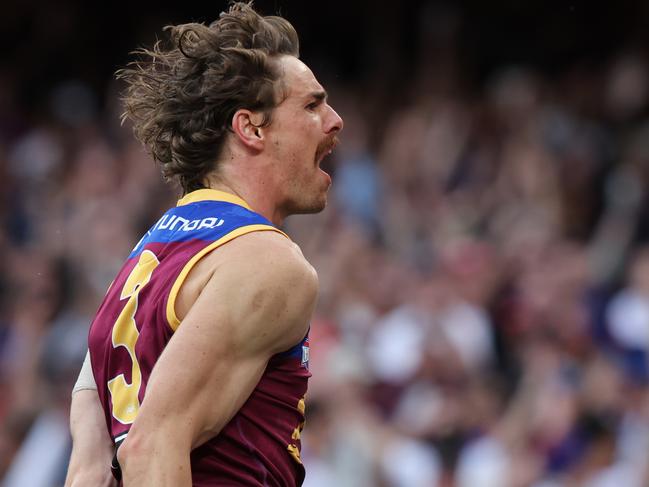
(202, 220)
(296, 350)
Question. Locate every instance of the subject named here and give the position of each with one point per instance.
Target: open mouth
(325, 148)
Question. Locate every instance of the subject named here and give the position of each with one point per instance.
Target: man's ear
(246, 126)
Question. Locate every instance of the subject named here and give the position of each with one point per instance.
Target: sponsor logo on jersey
(175, 222)
(180, 224)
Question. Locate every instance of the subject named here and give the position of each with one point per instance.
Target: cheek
(292, 147)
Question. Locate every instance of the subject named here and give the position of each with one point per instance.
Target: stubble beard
(310, 201)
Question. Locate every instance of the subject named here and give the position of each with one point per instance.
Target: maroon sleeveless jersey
(260, 446)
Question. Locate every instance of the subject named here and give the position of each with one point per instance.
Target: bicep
(219, 352)
(197, 385)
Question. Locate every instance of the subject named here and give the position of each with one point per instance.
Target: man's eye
(312, 106)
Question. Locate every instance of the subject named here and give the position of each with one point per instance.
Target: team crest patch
(305, 353)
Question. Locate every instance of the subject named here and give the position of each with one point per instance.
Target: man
(199, 350)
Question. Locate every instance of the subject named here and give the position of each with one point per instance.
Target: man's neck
(260, 201)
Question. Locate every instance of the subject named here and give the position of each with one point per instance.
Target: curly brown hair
(181, 99)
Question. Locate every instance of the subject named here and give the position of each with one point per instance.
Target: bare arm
(92, 448)
(257, 302)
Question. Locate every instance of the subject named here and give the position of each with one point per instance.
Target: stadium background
(484, 315)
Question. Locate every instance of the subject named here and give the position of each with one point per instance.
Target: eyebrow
(319, 95)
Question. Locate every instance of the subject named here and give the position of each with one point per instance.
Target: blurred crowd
(484, 272)
(484, 316)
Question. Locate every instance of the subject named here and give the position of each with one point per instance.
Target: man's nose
(334, 122)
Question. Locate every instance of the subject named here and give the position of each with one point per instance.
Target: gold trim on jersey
(211, 195)
(172, 318)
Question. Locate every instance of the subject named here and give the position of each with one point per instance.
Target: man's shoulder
(264, 247)
(263, 277)
(265, 255)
